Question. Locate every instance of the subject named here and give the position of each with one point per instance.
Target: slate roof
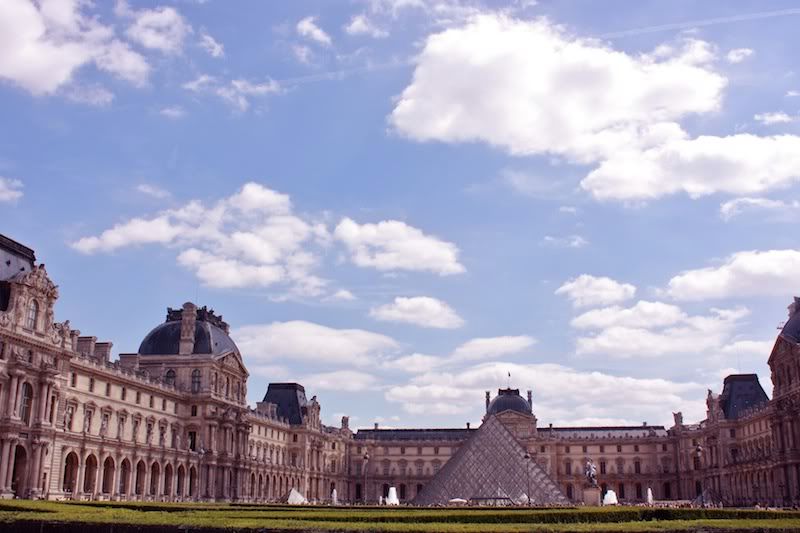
(741, 392)
(15, 258)
(208, 339)
(290, 399)
(508, 400)
(491, 466)
(414, 434)
(791, 329)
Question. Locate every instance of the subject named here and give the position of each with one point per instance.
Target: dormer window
(196, 380)
(33, 314)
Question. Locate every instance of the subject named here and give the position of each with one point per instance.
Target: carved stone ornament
(5, 320)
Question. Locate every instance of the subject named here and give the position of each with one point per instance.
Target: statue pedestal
(591, 496)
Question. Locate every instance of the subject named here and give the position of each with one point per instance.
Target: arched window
(27, 400)
(196, 380)
(169, 377)
(33, 314)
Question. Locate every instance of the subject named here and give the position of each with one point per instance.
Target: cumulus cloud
(614, 99)
(491, 348)
(416, 363)
(10, 190)
(249, 239)
(654, 329)
(303, 53)
(737, 55)
(308, 28)
(344, 295)
(173, 112)
(587, 290)
(361, 25)
(299, 340)
(94, 95)
(44, 43)
(422, 311)
(211, 45)
(161, 28)
(557, 398)
(394, 245)
(742, 274)
(584, 101)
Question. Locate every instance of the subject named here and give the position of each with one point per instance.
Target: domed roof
(508, 400)
(210, 336)
(791, 329)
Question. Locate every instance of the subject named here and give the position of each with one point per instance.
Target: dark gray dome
(208, 339)
(508, 400)
(791, 329)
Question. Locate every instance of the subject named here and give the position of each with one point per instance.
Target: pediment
(232, 361)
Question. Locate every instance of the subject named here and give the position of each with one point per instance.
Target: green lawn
(97, 517)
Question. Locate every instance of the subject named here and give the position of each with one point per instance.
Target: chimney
(376, 425)
(345, 422)
(530, 399)
(102, 351)
(86, 346)
(188, 319)
(487, 401)
(644, 424)
(794, 307)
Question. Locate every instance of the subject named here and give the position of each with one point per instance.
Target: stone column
(114, 494)
(11, 405)
(42, 405)
(35, 474)
(146, 488)
(5, 464)
(79, 481)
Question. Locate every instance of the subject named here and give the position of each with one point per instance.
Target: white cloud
(626, 333)
(573, 97)
(162, 28)
(760, 349)
(299, 340)
(303, 53)
(361, 25)
(557, 398)
(153, 190)
(581, 100)
(10, 190)
(568, 209)
(94, 95)
(642, 315)
(491, 348)
(737, 55)
(737, 206)
(587, 290)
(737, 164)
(742, 274)
(770, 119)
(249, 239)
(344, 295)
(792, 94)
(341, 381)
(393, 245)
(422, 311)
(308, 28)
(569, 241)
(415, 363)
(174, 112)
(211, 45)
(45, 43)
(236, 93)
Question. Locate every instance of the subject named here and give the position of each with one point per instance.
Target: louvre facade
(171, 423)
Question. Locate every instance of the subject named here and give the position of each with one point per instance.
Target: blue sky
(398, 202)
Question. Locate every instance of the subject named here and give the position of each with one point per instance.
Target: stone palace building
(171, 423)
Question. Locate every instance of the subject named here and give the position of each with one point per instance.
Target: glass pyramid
(490, 469)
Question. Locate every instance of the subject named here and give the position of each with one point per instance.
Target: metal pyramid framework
(490, 468)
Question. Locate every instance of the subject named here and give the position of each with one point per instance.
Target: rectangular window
(152, 401)
(602, 449)
(733, 433)
(91, 384)
(542, 449)
(73, 380)
(566, 449)
(123, 394)
(163, 404)
(602, 467)
(192, 440)
(664, 447)
(402, 450)
(194, 410)
(619, 448)
(637, 467)
(435, 450)
(138, 397)
(568, 468)
(108, 389)
(636, 447)
(585, 449)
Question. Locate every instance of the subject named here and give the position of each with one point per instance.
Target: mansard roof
(210, 335)
(491, 465)
(290, 399)
(413, 434)
(741, 393)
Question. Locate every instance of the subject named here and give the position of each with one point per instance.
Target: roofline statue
(590, 472)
